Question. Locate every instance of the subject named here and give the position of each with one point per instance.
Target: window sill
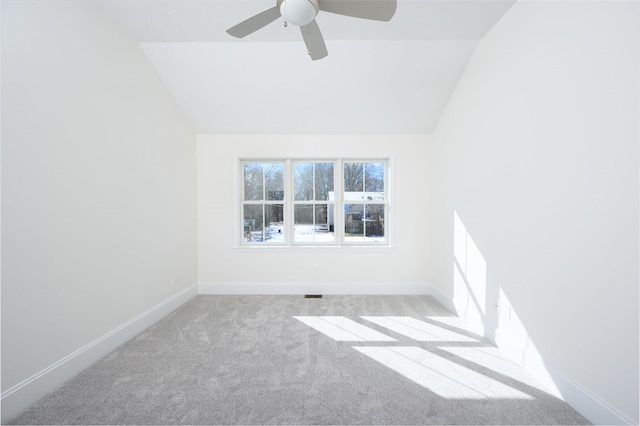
(302, 248)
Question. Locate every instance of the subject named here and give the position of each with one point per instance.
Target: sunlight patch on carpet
(441, 376)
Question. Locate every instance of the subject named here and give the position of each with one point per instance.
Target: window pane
(374, 177)
(353, 174)
(303, 214)
(364, 223)
(274, 220)
(253, 219)
(374, 221)
(324, 180)
(253, 181)
(303, 181)
(353, 181)
(274, 181)
(353, 224)
(303, 223)
(263, 223)
(312, 223)
(324, 223)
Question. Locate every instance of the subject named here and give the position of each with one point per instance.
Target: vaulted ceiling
(379, 77)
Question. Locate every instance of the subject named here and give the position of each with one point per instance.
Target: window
(364, 201)
(314, 202)
(263, 207)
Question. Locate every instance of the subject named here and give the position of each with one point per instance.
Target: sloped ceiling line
(379, 78)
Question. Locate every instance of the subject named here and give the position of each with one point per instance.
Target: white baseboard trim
(314, 288)
(443, 299)
(458, 308)
(580, 399)
(22, 395)
(583, 401)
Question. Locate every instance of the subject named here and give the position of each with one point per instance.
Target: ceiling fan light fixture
(302, 13)
(299, 12)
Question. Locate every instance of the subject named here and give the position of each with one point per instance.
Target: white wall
(537, 156)
(334, 270)
(98, 184)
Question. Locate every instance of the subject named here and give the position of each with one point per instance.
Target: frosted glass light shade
(299, 12)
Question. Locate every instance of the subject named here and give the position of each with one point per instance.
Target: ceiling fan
(302, 13)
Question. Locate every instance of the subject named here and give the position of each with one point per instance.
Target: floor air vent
(313, 296)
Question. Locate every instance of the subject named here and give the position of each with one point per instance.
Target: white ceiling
(379, 78)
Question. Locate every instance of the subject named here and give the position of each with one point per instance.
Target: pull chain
(286, 24)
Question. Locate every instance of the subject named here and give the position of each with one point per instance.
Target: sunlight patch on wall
(513, 338)
(471, 299)
(439, 375)
(470, 271)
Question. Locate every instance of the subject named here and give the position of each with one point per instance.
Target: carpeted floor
(290, 360)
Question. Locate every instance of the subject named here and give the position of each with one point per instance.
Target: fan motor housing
(298, 12)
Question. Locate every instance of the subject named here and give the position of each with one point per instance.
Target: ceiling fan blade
(377, 10)
(314, 41)
(254, 23)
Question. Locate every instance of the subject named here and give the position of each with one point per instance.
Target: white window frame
(384, 201)
(338, 203)
(314, 202)
(264, 201)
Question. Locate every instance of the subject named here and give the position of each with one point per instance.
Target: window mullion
(364, 199)
(338, 191)
(313, 180)
(385, 182)
(313, 200)
(288, 200)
